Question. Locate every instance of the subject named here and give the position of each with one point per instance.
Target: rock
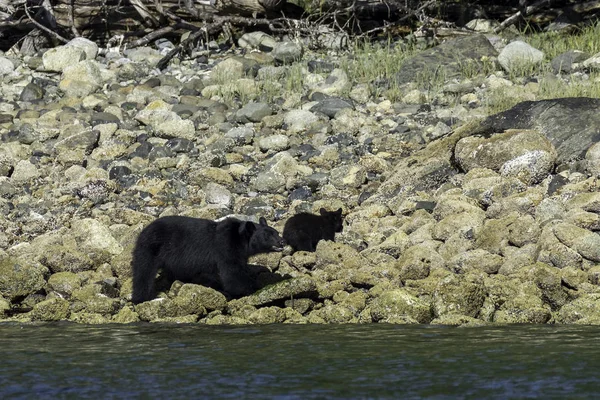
(559, 120)
(253, 112)
(417, 261)
(64, 282)
(32, 92)
(267, 315)
(287, 52)
(25, 171)
(331, 106)
(584, 242)
(303, 286)
(90, 48)
(6, 66)
(93, 236)
(398, 303)
(257, 40)
(583, 310)
(524, 154)
(592, 63)
(476, 260)
(299, 120)
(454, 295)
(274, 143)
(336, 84)
(19, 278)
(218, 194)
(564, 62)
(55, 309)
(60, 57)
(82, 78)
(518, 55)
(451, 57)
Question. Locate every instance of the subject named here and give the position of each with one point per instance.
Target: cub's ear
(262, 221)
(246, 228)
(323, 212)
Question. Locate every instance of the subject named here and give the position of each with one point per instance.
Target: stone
(518, 55)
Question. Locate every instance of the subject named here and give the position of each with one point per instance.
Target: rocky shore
(452, 215)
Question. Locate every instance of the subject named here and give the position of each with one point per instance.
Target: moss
(55, 309)
(19, 278)
(399, 304)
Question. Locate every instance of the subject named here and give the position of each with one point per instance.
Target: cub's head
(263, 238)
(333, 218)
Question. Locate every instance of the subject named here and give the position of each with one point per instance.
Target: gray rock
(287, 52)
(448, 58)
(253, 112)
(82, 78)
(257, 40)
(299, 120)
(571, 124)
(31, 92)
(518, 55)
(241, 135)
(218, 194)
(6, 66)
(58, 58)
(90, 48)
(274, 143)
(331, 106)
(564, 62)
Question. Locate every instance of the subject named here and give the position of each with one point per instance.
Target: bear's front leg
(236, 280)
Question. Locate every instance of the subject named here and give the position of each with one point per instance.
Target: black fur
(303, 231)
(202, 251)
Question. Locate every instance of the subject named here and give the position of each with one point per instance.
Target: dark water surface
(298, 362)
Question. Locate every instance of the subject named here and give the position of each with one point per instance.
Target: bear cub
(202, 251)
(304, 230)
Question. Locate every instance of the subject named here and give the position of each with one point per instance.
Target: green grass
(555, 43)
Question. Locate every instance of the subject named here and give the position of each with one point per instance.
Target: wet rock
(454, 295)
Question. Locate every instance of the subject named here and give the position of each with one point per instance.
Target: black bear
(201, 251)
(303, 231)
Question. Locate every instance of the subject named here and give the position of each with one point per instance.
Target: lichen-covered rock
(398, 304)
(459, 295)
(197, 297)
(583, 310)
(334, 314)
(329, 252)
(20, 277)
(523, 304)
(95, 237)
(126, 315)
(64, 282)
(302, 286)
(82, 317)
(584, 242)
(4, 306)
(417, 261)
(549, 281)
(476, 260)
(457, 320)
(267, 315)
(480, 152)
(55, 309)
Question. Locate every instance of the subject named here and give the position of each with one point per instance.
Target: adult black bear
(200, 251)
(303, 231)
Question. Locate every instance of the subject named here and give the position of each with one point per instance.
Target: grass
(555, 43)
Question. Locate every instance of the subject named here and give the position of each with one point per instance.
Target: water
(62, 360)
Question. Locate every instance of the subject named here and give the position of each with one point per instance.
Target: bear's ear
(262, 221)
(323, 212)
(339, 211)
(247, 227)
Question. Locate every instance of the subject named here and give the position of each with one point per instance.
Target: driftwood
(139, 22)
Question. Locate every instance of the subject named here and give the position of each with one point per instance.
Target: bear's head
(263, 238)
(333, 218)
